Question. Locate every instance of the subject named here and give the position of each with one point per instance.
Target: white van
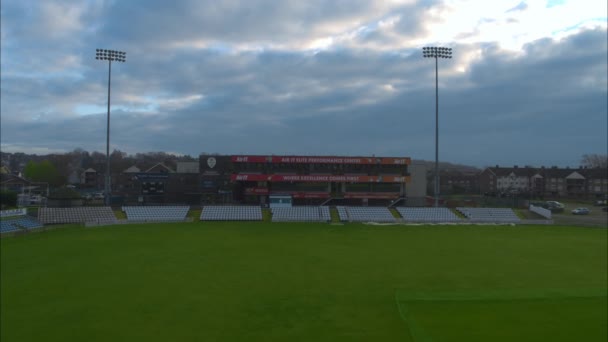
(35, 199)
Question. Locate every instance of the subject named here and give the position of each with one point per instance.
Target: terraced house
(552, 182)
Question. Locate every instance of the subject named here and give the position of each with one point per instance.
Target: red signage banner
(310, 194)
(253, 177)
(372, 195)
(256, 191)
(294, 194)
(321, 160)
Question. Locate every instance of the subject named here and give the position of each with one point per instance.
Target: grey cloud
(262, 20)
(414, 16)
(522, 6)
(547, 106)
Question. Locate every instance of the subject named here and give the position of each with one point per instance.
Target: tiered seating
(157, 213)
(369, 214)
(16, 219)
(27, 222)
(231, 213)
(299, 214)
(7, 226)
(324, 213)
(427, 214)
(498, 215)
(76, 215)
(342, 213)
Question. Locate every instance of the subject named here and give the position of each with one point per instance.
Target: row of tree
(61, 168)
(595, 161)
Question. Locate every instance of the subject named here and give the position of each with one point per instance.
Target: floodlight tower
(436, 52)
(110, 56)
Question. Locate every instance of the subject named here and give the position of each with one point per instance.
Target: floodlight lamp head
(437, 52)
(110, 55)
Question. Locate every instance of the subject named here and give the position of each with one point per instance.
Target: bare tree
(594, 160)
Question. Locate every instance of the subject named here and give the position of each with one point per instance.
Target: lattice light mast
(110, 56)
(436, 52)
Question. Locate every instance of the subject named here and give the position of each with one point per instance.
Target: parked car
(36, 199)
(580, 211)
(555, 204)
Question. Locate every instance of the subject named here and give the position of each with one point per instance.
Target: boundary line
(419, 334)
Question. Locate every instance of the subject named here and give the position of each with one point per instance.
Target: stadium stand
(410, 214)
(76, 215)
(497, 215)
(231, 213)
(156, 213)
(7, 226)
(27, 222)
(17, 220)
(300, 214)
(342, 213)
(324, 213)
(369, 214)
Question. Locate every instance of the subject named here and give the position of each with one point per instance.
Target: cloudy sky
(528, 82)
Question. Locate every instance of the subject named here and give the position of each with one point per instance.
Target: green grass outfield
(205, 281)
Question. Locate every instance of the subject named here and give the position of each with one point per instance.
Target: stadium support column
(116, 56)
(436, 52)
